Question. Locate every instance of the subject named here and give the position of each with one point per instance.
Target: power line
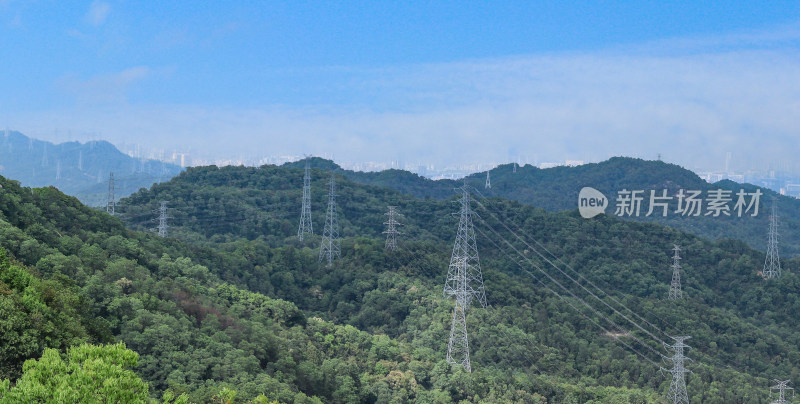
(578, 275)
(636, 315)
(615, 336)
(612, 298)
(566, 265)
(573, 295)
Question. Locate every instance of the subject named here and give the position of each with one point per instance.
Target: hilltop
(78, 169)
(742, 326)
(556, 189)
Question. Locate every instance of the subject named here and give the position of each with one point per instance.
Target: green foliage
(556, 189)
(90, 374)
(34, 314)
(235, 309)
(396, 294)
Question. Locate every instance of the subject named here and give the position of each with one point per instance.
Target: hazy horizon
(414, 83)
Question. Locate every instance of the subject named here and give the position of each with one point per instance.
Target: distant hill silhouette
(556, 189)
(78, 169)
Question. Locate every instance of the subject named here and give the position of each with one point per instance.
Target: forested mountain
(530, 338)
(556, 189)
(78, 276)
(78, 169)
(74, 275)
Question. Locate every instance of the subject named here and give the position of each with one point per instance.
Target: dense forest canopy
(232, 303)
(556, 189)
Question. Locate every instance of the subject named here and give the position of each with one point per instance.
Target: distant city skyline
(195, 158)
(728, 167)
(780, 179)
(415, 82)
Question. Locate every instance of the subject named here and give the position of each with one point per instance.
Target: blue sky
(438, 82)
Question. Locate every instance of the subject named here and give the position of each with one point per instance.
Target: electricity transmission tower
(110, 203)
(331, 247)
(677, 388)
(488, 181)
(162, 219)
(772, 265)
(391, 228)
(464, 258)
(458, 347)
(305, 213)
(464, 283)
(781, 387)
(675, 287)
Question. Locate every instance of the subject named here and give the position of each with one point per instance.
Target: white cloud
(98, 13)
(692, 106)
(106, 88)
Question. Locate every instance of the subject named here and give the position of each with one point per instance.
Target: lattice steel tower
(464, 283)
(782, 386)
(45, 163)
(330, 248)
(305, 213)
(675, 286)
(458, 347)
(677, 388)
(391, 228)
(162, 219)
(772, 264)
(111, 202)
(488, 181)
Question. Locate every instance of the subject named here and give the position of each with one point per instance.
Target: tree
(90, 374)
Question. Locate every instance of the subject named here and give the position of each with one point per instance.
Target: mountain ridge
(556, 189)
(78, 169)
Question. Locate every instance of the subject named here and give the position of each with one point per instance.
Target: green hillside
(197, 334)
(742, 326)
(556, 189)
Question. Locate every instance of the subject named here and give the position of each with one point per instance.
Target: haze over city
(443, 84)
